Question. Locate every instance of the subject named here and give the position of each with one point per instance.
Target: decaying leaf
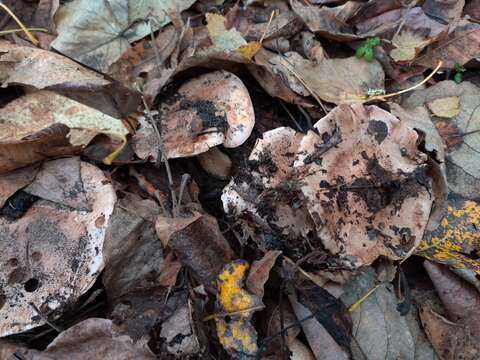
(197, 242)
(379, 329)
(236, 306)
(456, 238)
(54, 252)
(15, 180)
(447, 10)
(461, 46)
(407, 45)
(446, 107)
(206, 111)
(97, 34)
(36, 111)
(93, 338)
(221, 37)
(450, 341)
(340, 81)
(358, 186)
(216, 163)
(259, 273)
(462, 161)
(51, 141)
(460, 299)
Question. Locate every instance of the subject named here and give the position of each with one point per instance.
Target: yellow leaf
(446, 107)
(248, 51)
(456, 239)
(236, 306)
(407, 45)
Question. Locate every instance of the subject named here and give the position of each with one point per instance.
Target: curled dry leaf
(459, 47)
(450, 341)
(40, 69)
(39, 110)
(51, 141)
(206, 111)
(91, 339)
(54, 252)
(357, 186)
(460, 299)
(97, 34)
(197, 242)
(235, 307)
(462, 161)
(340, 81)
(260, 271)
(15, 180)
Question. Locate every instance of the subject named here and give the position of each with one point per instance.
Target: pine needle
(12, 31)
(17, 20)
(360, 301)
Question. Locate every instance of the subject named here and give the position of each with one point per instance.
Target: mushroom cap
(206, 111)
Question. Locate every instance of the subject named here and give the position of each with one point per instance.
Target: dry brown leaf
(447, 10)
(461, 46)
(216, 163)
(340, 81)
(13, 181)
(460, 299)
(407, 45)
(450, 341)
(259, 273)
(64, 254)
(197, 242)
(93, 338)
(51, 141)
(446, 107)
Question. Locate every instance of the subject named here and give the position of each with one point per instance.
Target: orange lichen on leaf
(235, 307)
(457, 240)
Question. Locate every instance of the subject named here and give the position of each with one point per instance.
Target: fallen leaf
(259, 273)
(461, 46)
(236, 306)
(51, 141)
(64, 254)
(91, 339)
(39, 110)
(97, 34)
(300, 351)
(221, 37)
(197, 242)
(215, 163)
(407, 45)
(206, 111)
(179, 332)
(31, 67)
(472, 9)
(447, 107)
(456, 238)
(447, 10)
(462, 165)
(460, 299)
(15, 180)
(378, 328)
(321, 342)
(450, 341)
(340, 81)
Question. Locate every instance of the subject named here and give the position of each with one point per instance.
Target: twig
(404, 19)
(162, 155)
(291, 116)
(17, 20)
(360, 301)
(11, 31)
(243, 311)
(44, 318)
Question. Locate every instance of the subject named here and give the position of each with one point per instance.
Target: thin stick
(44, 318)
(268, 26)
(222, 315)
(291, 116)
(162, 155)
(183, 185)
(17, 20)
(12, 31)
(382, 97)
(360, 301)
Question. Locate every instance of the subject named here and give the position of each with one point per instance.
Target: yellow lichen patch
(235, 307)
(457, 240)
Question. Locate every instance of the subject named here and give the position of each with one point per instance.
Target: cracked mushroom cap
(53, 252)
(358, 183)
(206, 111)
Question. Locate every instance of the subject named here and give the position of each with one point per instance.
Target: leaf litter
(261, 180)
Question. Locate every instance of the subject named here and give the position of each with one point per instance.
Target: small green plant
(459, 70)
(366, 50)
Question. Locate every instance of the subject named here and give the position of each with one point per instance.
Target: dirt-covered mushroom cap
(206, 111)
(358, 184)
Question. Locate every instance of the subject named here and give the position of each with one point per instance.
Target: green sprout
(366, 51)
(459, 70)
